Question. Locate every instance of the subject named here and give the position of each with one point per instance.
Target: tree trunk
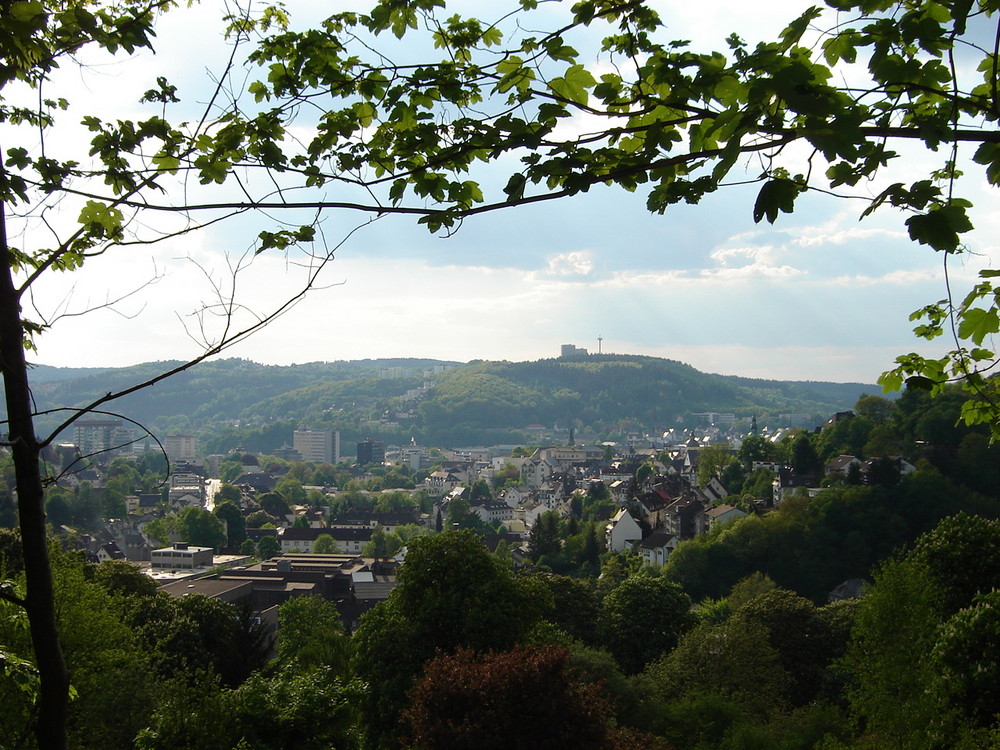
(53, 695)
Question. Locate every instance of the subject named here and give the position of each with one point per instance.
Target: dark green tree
(274, 503)
(268, 546)
(642, 619)
(799, 636)
(325, 544)
(197, 526)
(576, 609)
(543, 540)
(755, 448)
(732, 660)
(480, 492)
(236, 528)
(452, 593)
(228, 493)
(805, 459)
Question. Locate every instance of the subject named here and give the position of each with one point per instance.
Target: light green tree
(310, 633)
(712, 460)
(325, 544)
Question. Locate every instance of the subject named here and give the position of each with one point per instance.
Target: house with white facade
(622, 531)
(720, 515)
(535, 472)
(656, 548)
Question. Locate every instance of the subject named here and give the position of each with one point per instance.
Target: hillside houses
(643, 491)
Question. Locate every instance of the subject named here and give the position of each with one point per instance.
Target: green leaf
(988, 154)
(18, 158)
(492, 36)
(794, 31)
(890, 381)
(573, 86)
(729, 90)
(364, 112)
(840, 47)
(514, 74)
(259, 90)
(940, 227)
(976, 324)
(27, 11)
(98, 214)
(774, 196)
(515, 187)
(167, 163)
(920, 383)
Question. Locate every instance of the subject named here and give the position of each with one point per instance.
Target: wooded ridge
(442, 401)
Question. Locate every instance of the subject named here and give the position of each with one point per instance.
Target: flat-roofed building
(179, 448)
(182, 555)
(317, 446)
(102, 436)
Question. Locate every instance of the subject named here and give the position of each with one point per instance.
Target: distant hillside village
(308, 519)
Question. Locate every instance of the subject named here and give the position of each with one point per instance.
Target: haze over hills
(434, 401)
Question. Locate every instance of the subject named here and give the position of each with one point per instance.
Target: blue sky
(817, 296)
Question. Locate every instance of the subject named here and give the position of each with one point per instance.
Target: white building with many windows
(317, 446)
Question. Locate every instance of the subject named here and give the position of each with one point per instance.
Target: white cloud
(579, 263)
(894, 278)
(832, 234)
(760, 261)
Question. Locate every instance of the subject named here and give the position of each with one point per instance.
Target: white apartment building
(317, 446)
(179, 448)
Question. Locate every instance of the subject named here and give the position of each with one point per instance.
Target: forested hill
(475, 402)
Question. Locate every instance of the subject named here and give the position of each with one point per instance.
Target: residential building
(494, 510)
(102, 436)
(840, 467)
(656, 548)
(179, 448)
(348, 540)
(622, 532)
(317, 446)
(536, 471)
(685, 517)
(787, 483)
(109, 551)
(720, 515)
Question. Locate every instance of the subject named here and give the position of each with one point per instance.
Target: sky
(819, 295)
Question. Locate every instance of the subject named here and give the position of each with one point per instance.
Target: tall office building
(371, 452)
(317, 446)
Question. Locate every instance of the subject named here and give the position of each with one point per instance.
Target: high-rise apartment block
(317, 446)
(102, 436)
(179, 448)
